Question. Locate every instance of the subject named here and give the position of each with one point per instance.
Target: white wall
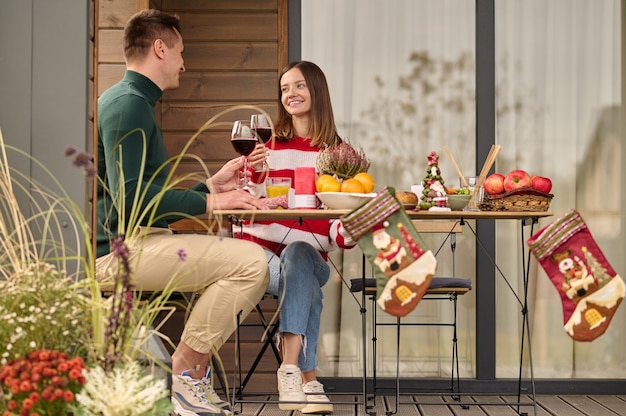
(43, 84)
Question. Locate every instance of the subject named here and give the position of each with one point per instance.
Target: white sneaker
(290, 387)
(317, 401)
(211, 395)
(190, 398)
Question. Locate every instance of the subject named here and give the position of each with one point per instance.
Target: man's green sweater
(130, 141)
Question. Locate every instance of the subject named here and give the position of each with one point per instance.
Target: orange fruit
(366, 180)
(327, 183)
(331, 186)
(323, 179)
(352, 186)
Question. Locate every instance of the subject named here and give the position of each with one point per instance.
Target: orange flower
(58, 393)
(27, 403)
(75, 373)
(68, 396)
(40, 383)
(25, 385)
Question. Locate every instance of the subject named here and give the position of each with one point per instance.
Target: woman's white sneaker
(290, 387)
(317, 401)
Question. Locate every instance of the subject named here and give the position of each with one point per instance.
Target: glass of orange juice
(277, 186)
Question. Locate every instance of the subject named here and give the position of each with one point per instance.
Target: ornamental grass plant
(51, 303)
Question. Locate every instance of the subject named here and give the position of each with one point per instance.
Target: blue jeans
(300, 273)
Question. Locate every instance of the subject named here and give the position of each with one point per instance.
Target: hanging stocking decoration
(402, 265)
(590, 289)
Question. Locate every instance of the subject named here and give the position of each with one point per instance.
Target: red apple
(541, 183)
(494, 184)
(517, 179)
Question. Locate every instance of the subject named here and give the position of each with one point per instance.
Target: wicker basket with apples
(516, 191)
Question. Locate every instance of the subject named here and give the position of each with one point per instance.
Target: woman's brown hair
(323, 129)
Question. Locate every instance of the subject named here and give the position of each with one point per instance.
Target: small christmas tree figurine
(597, 270)
(434, 197)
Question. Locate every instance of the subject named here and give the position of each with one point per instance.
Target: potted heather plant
(342, 161)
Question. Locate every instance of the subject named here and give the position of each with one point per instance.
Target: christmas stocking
(402, 265)
(590, 289)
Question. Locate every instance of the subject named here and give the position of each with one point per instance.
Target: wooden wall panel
(212, 56)
(233, 53)
(111, 50)
(233, 86)
(229, 26)
(115, 13)
(109, 74)
(204, 5)
(192, 116)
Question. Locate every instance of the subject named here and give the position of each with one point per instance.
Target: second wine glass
(263, 132)
(243, 140)
(261, 127)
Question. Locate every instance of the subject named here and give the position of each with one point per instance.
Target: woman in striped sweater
(297, 253)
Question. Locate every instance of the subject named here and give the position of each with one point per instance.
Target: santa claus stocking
(402, 265)
(590, 289)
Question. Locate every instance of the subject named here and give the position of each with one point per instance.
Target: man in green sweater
(135, 203)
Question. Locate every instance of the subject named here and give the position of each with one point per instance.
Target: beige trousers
(230, 276)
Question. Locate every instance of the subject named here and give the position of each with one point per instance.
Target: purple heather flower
(118, 247)
(70, 150)
(182, 255)
(81, 160)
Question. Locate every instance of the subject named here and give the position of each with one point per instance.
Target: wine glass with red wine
(261, 127)
(263, 132)
(243, 141)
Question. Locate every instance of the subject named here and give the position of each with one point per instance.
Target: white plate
(343, 200)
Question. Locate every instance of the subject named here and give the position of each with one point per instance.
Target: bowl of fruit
(344, 194)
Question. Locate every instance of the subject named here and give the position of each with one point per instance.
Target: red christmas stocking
(590, 289)
(402, 264)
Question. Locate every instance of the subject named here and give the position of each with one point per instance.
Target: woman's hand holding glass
(262, 130)
(258, 162)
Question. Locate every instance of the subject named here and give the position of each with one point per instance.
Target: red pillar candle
(304, 186)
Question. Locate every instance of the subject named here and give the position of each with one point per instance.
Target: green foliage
(40, 308)
(50, 297)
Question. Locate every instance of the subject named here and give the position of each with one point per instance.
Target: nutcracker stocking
(402, 265)
(590, 289)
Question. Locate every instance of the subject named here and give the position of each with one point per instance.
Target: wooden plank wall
(234, 51)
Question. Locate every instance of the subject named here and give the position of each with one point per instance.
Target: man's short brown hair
(146, 26)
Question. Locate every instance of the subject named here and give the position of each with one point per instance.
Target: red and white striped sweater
(275, 235)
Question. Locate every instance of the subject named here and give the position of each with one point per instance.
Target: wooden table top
(224, 216)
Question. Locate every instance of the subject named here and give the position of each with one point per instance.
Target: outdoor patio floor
(478, 405)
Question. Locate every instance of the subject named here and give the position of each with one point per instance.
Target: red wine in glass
(264, 133)
(244, 146)
(261, 127)
(243, 141)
